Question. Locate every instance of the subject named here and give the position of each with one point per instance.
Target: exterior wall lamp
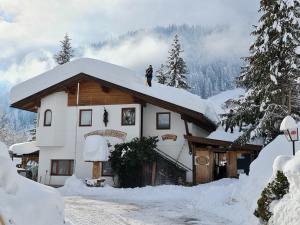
(290, 130)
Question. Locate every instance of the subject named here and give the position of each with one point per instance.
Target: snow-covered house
(90, 97)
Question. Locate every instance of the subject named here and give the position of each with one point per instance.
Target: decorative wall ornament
(201, 160)
(108, 133)
(105, 117)
(169, 137)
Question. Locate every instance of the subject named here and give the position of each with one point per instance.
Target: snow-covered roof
(24, 148)
(219, 100)
(220, 134)
(114, 74)
(95, 148)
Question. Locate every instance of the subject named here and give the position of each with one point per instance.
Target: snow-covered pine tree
(66, 52)
(176, 66)
(161, 75)
(271, 72)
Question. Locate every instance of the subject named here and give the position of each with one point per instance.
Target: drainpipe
(76, 126)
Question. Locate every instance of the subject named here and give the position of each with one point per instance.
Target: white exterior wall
(178, 149)
(64, 138)
(66, 129)
(53, 135)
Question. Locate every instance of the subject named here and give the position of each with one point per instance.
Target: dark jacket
(149, 72)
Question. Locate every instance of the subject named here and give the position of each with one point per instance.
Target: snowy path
(82, 210)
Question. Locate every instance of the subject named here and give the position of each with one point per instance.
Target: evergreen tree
(161, 75)
(271, 72)
(275, 190)
(176, 67)
(66, 52)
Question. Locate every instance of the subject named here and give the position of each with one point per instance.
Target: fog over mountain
(213, 60)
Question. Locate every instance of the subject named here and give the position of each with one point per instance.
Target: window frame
(70, 169)
(45, 124)
(122, 122)
(106, 175)
(157, 121)
(85, 110)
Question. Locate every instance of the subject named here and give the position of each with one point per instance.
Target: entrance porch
(216, 159)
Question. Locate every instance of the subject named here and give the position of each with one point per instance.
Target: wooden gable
(93, 93)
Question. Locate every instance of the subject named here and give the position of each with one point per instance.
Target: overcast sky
(27, 26)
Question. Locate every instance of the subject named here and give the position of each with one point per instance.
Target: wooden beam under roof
(220, 144)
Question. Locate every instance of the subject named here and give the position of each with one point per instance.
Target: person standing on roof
(149, 74)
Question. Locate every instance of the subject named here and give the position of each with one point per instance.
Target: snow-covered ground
(227, 202)
(149, 205)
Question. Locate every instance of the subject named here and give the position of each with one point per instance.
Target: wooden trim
(226, 145)
(123, 109)
(142, 121)
(193, 166)
(189, 134)
(85, 110)
(153, 173)
(198, 118)
(70, 169)
(157, 120)
(47, 125)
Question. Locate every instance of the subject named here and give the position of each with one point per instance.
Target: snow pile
(249, 188)
(219, 100)
(220, 134)
(73, 186)
(24, 202)
(287, 210)
(95, 148)
(288, 123)
(8, 173)
(24, 148)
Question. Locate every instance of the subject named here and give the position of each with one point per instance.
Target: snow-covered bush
(25, 202)
(287, 210)
(275, 190)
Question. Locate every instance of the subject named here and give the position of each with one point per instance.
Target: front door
(204, 164)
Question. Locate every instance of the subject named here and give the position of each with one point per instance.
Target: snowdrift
(287, 210)
(232, 199)
(24, 202)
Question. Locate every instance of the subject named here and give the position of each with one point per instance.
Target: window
(128, 116)
(163, 121)
(85, 117)
(106, 169)
(47, 118)
(62, 167)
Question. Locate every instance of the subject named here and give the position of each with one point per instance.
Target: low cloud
(135, 53)
(28, 26)
(31, 65)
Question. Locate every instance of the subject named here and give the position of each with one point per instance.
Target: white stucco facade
(178, 149)
(64, 139)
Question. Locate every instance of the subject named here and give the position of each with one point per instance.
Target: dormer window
(47, 118)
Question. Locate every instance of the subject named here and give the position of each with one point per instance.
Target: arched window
(47, 118)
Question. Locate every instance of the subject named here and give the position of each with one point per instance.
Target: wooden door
(232, 164)
(204, 164)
